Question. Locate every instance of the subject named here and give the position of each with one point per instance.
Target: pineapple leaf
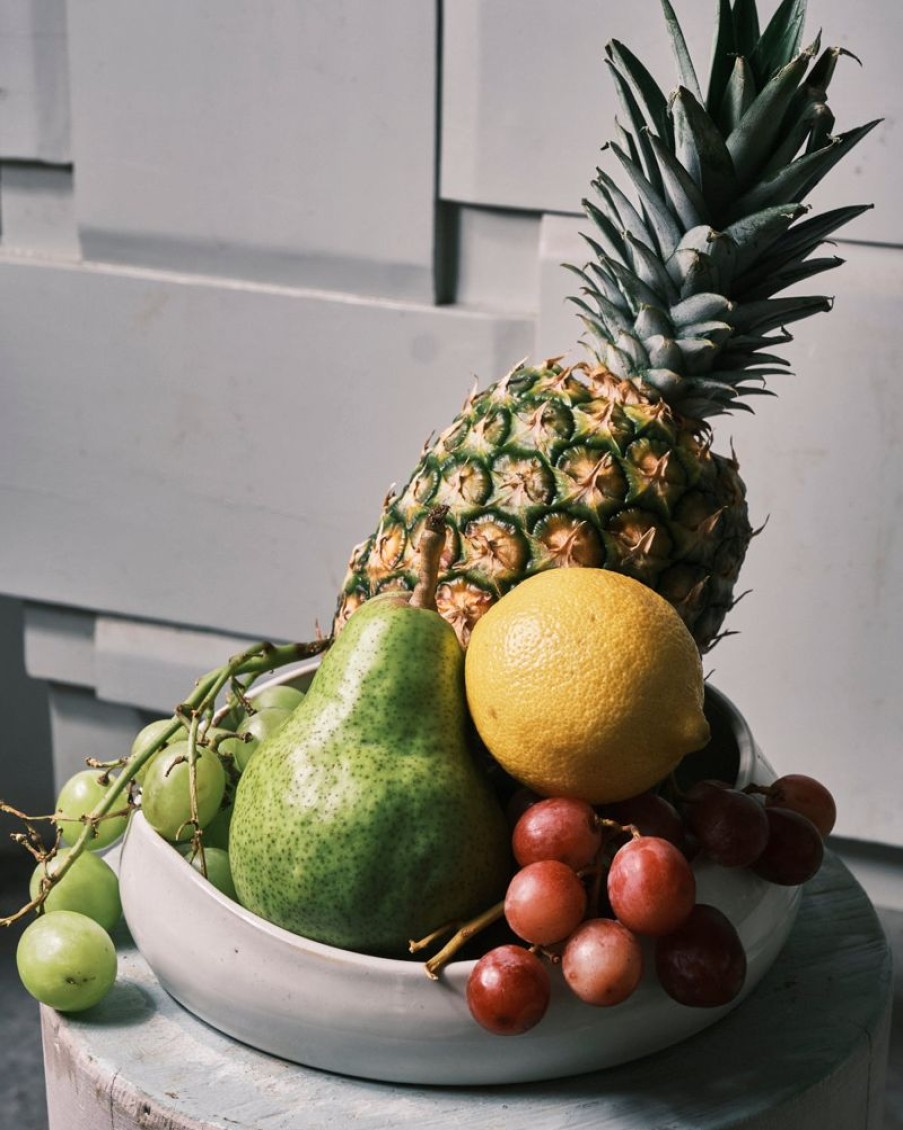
(687, 202)
(739, 95)
(750, 143)
(640, 128)
(664, 353)
(712, 331)
(730, 360)
(650, 98)
(698, 355)
(653, 323)
(798, 179)
(770, 313)
(637, 293)
(649, 267)
(719, 248)
(746, 27)
(780, 280)
(621, 209)
(799, 242)
(634, 349)
(695, 270)
(700, 148)
(810, 126)
(700, 308)
(610, 234)
(724, 51)
(664, 228)
(781, 39)
(681, 52)
(753, 234)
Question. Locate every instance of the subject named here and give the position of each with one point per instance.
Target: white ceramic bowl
(384, 1019)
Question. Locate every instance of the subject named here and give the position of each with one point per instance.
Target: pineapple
(608, 462)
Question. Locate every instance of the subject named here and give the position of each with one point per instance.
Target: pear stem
(432, 541)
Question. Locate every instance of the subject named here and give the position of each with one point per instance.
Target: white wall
(252, 257)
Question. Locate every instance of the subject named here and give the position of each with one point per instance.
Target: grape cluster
(591, 884)
(66, 957)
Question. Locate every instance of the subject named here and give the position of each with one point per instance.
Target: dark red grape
(806, 796)
(545, 902)
(650, 814)
(520, 800)
(602, 962)
(702, 963)
(561, 828)
(508, 990)
(651, 886)
(730, 826)
(794, 851)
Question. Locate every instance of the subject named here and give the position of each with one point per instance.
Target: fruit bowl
(384, 1019)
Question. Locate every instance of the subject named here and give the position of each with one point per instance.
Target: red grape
(602, 962)
(702, 963)
(508, 990)
(651, 886)
(794, 850)
(518, 803)
(650, 814)
(806, 796)
(731, 826)
(562, 828)
(545, 901)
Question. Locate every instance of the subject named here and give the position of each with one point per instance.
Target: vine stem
(461, 936)
(255, 660)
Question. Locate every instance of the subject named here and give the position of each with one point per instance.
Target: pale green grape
(261, 725)
(80, 795)
(148, 736)
(66, 960)
(166, 796)
(219, 873)
(90, 886)
(216, 834)
(284, 697)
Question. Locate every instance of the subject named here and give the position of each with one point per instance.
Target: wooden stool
(808, 1049)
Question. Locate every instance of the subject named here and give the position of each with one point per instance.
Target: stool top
(807, 1048)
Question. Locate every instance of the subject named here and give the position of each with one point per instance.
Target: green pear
(365, 822)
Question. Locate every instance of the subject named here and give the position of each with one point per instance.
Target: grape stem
(462, 935)
(255, 660)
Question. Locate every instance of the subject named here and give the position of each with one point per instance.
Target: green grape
(90, 886)
(166, 796)
(80, 795)
(283, 697)
(216, 834)
(261, 725)
(66, 960)
(219, 873)
(149, 735)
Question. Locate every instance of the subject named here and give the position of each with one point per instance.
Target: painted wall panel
(208, 455)
(816, 664)
(528, 101)
(34, 107)
(291, 142)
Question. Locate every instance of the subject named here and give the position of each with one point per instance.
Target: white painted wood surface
(807, 1051)
(527, 100)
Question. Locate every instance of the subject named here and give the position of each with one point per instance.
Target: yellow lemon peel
(583, 682)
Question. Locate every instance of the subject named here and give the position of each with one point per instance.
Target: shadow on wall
(26, 767)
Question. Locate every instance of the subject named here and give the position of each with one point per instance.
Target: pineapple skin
(558, 466)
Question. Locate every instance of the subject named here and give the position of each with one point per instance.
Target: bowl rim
(401, 967)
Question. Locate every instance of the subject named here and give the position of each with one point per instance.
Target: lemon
(583, 682)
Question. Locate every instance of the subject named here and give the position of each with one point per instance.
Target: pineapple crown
(679, 296)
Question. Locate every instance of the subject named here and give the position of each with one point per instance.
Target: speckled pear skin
(365, 822)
